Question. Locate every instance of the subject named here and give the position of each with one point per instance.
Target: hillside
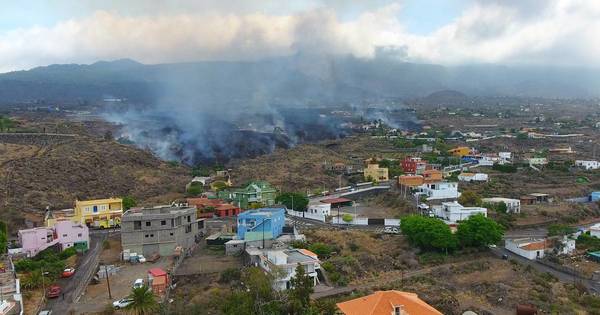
(288, 80)
(33, 176)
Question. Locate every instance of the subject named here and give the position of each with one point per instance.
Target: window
(64, 235)
(151, 235)
(188, 228)
(397, 310)
(148, 223)
(79, 235)
(189, 218)
(178, 221)
(171, 233)
(137, 225)
(146, 235)
(172, 222)
(163, 222)
(95, 209)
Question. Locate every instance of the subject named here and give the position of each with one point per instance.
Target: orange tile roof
(308, 253)
(535, 246)
(383, 302)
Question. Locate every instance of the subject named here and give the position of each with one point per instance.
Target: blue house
(264, 223)
(595, 196)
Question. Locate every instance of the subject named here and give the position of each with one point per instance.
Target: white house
(512, 205)
(486, 160)
(454, 211)
(567, 245)
(530, 248)
(595, 230)
(286, 261)
(537, 161)
(321, 209)
(588, 165)
(439, 190)
(506, 156)
(473, 177)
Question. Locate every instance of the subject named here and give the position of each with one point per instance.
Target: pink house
(35, 240)
(66, 233)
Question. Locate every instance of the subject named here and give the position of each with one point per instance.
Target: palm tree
(143, 302)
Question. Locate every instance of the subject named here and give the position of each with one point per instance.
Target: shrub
(229, 275)
(347, 218)
(321, 249)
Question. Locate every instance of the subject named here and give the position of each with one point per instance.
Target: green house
(260, 192)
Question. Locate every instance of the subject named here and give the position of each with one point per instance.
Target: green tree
(428, 233)
(143, 302)
(347, 218)
(3, 237)
(321, 249)
(129, 202)
(479, 231)
(219, 185)
(469, 199)
(299, 294)
(560, 229)
(6, 123)
(195, 189)
(293, 200)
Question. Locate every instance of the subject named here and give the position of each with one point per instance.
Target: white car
(122, 303)
(138, 283)
(48, 312)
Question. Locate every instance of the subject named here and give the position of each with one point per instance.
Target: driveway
(62, 304)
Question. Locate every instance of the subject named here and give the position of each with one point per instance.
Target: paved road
(62, 304)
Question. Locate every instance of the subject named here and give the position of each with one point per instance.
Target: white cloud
(553, 31)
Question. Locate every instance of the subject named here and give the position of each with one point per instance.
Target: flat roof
(539, 195)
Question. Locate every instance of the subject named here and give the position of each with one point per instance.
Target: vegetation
(505, 168)
(428, 233)
(588, 242)
(293, 200)
(47, 264)
(254, 295)
(200, 170)
(321, 249)
(143, 301)
(347, 218)
(129, 202)
(3, 237)
(219, 185)
(6, 124)
(560, 229)
(393, 167)
(479, 231)
(469, 199)
(195, 189)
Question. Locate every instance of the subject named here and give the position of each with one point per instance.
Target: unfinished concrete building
(159, 230)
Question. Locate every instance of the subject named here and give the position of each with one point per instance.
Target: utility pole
(107, 281)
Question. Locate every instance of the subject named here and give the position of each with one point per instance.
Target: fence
(307, 215)
(564, 269)
(366, 221)
(91, 270)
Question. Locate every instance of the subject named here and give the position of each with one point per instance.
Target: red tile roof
(383, 302)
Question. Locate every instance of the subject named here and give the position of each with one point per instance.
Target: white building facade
(588, 165)
(440, 190)
(473, 177)
(454, 212)
(285, 261)
(529, 248)
(320, 209)
(512, 205)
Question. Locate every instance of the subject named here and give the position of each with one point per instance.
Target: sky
(449, 32)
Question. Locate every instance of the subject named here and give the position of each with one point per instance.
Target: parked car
(45, 312)
(53, 291)
(122, 303)
(68, 272)
(138, 283)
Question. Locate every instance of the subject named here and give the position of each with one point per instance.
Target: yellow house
(460, 151)
(100, 213)
(376, 173)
